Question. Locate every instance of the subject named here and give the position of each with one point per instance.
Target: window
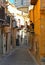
(14, 23)
(7, 19)
(15, 1)
(21, 2)
(2, 13)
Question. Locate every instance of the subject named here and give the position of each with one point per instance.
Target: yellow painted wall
(42, 20)
(37, 17)
(42, 45)
(42, 4)
(39, 28)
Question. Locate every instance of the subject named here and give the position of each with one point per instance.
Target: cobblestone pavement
(18, 57)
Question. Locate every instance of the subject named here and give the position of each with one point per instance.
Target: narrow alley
(22, 32)
(20, 56)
